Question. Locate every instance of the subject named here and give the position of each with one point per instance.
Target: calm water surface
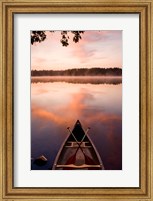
(57, 102)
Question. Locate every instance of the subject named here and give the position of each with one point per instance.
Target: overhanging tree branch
(40, 36)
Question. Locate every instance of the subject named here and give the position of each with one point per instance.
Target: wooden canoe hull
(73, 157)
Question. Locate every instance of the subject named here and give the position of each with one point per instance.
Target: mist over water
(79, 79)
(57, 102)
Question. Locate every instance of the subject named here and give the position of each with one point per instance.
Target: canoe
(78, 152)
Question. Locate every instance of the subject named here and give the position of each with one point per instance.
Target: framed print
(91, 109)
(76, 100)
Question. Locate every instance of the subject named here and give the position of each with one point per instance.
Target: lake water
(57, 102)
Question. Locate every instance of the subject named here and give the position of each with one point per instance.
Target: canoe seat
(76, 142)
(73, 144)
(78, 166)
(77, 146)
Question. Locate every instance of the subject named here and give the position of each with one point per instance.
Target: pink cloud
(96, 48)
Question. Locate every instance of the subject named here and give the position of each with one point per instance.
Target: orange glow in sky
(95, 49)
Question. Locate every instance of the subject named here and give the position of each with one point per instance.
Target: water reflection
(57, 105)
(79, 79)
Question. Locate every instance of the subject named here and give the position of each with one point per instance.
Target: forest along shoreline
(79, 72)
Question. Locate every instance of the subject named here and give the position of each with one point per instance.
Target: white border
(129, 176)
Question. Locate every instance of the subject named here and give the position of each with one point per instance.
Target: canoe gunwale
(59, 152)
(55, 165)
(97, 153)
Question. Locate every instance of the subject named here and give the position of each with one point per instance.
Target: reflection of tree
(79, 72)
(39, 36)
(79, 80)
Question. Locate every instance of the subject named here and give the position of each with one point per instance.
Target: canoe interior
(73, 157)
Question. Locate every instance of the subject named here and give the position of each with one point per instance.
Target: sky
(95, 49)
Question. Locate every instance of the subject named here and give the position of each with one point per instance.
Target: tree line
(79, 72)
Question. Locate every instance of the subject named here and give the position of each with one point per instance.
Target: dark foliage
(79, 72)
(39, 36)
